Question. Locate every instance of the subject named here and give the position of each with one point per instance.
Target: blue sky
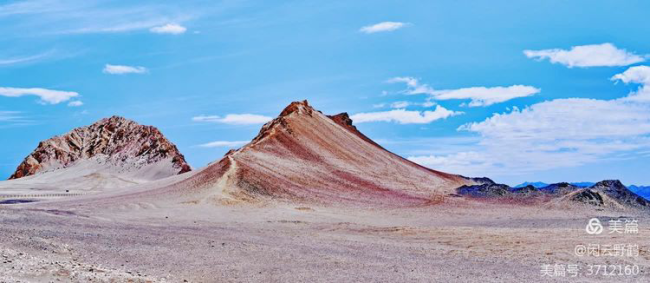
(445, 83)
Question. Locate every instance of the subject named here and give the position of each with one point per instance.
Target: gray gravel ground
(282, 244)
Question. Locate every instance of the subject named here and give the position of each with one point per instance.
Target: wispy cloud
(234, 119)
(405, 104)
(6, 116)
(24, 59)
(383, 27)
(34, 7)
(122, 69)
(46, 95)
(484, 96)
(596, 55)
(75, 103)
(13, 119)
(478, 96)
(400, 104)
(403, 116)
(169, 29)
(230, 144)
(74, 17)
(413, 85)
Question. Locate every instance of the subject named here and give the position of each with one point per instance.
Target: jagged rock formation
(305, 156)
(115, 141)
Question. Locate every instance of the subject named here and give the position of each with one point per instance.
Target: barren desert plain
(324, 141)
(310, 199)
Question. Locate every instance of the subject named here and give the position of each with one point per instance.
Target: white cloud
(46, 95)
(403, 116)
(484, 96)
(169, 29)
(428, 104)
(203, 118)
(235, 119)
(638, 75)
(405, 104)
(479, 96)
(571, 119)
(468, 163)
(596, 55)
(382, 27)
(400, 104)
(554, 134)
(409, 81)
(413, 86)
(230, 144)
(75, 103)
(121, 69)
(23, 59)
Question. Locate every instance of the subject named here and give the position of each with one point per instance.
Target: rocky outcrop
(616, 190)
(589, 197)
(485, 190)
(116, 141)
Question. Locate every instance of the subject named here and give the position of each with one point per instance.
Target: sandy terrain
(310, 199)
(457, 241)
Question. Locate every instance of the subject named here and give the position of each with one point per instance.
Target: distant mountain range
(542, 184)
(643, 191)
(607, 193)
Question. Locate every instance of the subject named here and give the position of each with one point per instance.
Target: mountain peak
(615, 184)
(304, 155)
(115, 119)
(114, 140)
(297, 106)
(281, 123)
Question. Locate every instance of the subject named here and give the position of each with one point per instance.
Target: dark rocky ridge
(593, 195)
